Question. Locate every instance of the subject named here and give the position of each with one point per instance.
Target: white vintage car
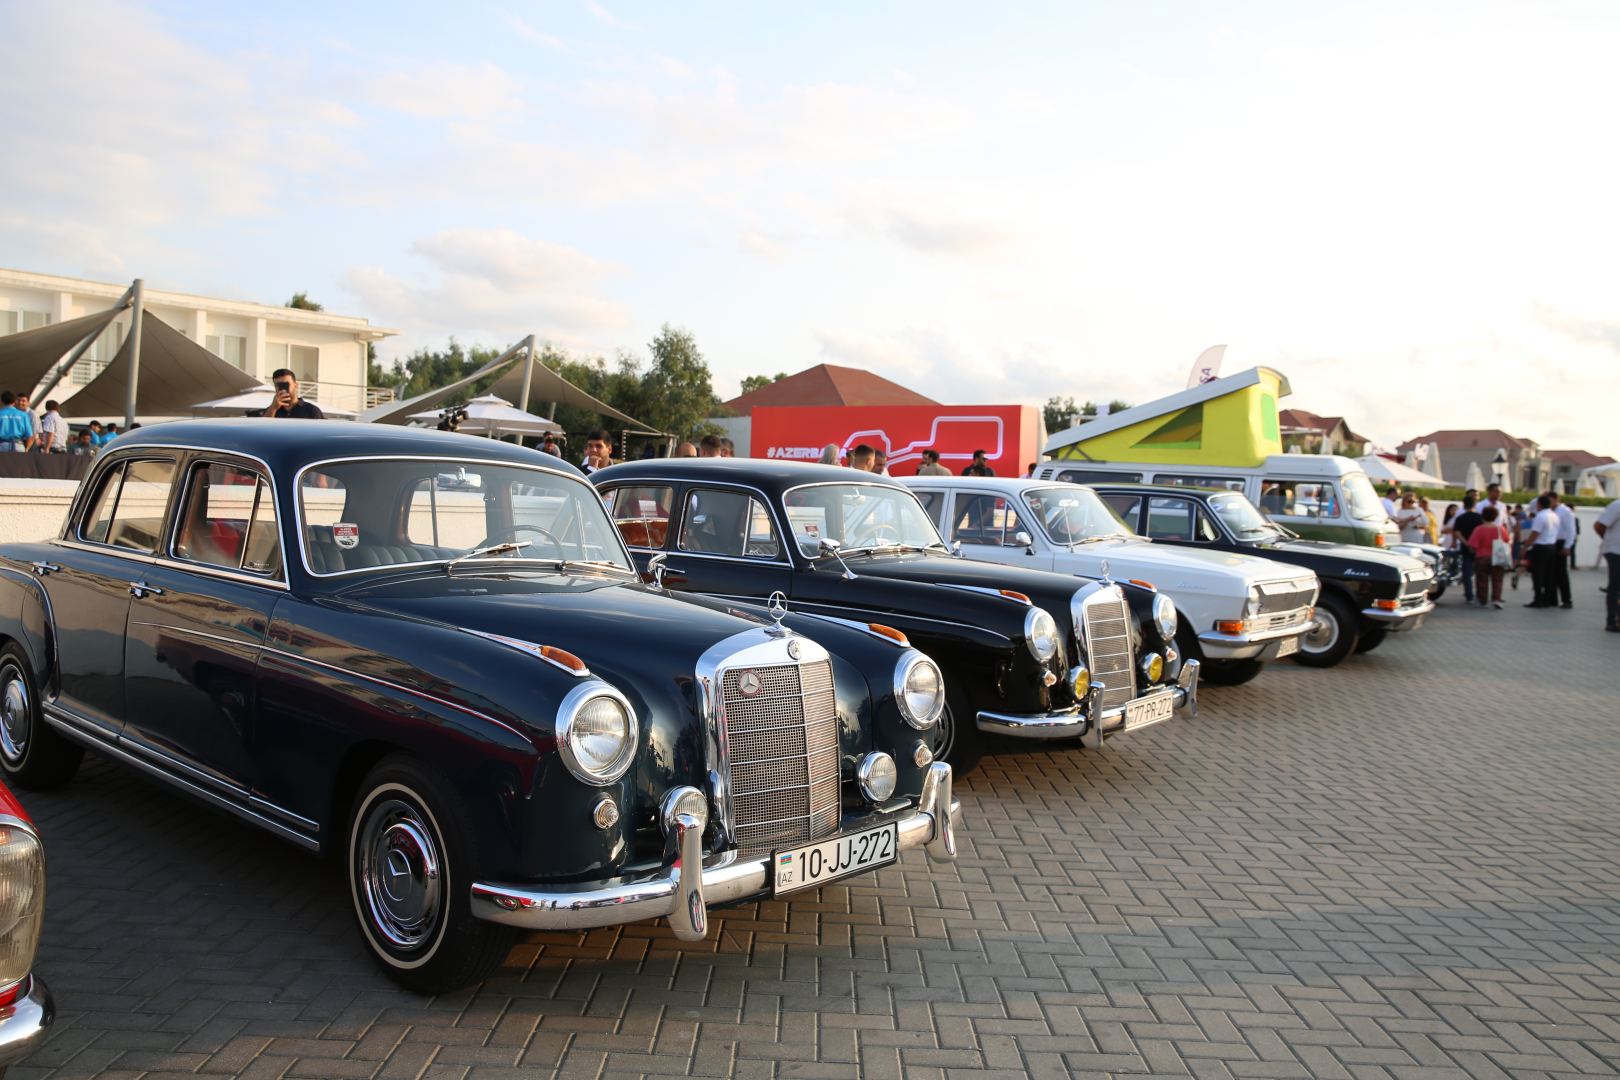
(1236, 611)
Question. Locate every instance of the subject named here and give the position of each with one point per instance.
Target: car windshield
(1072, 515)
(861, 517)
(365, 514)
(1363, 499)
(1243, 517)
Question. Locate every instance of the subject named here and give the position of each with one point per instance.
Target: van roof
(1328, 465)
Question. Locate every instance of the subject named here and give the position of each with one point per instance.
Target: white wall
(33, 510)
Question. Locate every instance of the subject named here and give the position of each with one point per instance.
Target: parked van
(1318, 496)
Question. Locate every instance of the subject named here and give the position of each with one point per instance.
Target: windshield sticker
(346, 534)
(810, 522)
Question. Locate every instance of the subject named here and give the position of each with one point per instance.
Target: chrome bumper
(1406, 618)
(24, 1021)
(1076, 722)
(1262, 644)
(687, 889)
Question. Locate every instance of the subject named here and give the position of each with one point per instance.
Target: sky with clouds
(1409, 208)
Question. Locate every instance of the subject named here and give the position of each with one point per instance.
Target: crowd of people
(22, 431)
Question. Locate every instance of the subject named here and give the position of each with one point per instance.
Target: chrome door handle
(44, 568)
(140, 590)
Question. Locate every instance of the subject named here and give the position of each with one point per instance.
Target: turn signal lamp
(1387, 605)
(1378, 539)
(1230, 626)
(564, 658)
(1144, 584)
(889, 632)
(1013, 594)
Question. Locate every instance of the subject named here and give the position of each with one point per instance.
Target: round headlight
(596, 733)
(877, 776)
(919, 690)
(684, 800)
(1041, 634)
(1164, 616)
(1080, 682)
(1153, 667)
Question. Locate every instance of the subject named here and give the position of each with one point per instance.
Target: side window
(642, 514)
(728, 523)
(1295, 498)
(1126, 506)
(933, 502)
(1098, 476)
(229, 520)
(128, 511)
(1227, 483)
(988, 520)
(1171, 519)
(1205, 530)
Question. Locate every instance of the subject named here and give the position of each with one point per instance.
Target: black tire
(33, 755)
(1437, 592)
(1371, 639)
(417, 922)
(1229, 672)
(1340, 624)
(961, 743)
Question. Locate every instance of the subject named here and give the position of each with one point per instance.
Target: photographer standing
(287, 401)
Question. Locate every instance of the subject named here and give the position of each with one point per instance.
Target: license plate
(1149, 711)
(1287, 647)
(816, 864)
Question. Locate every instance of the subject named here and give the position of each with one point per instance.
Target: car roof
(286, 445)
(1017, 483)
(1160, 489)
(763, 473)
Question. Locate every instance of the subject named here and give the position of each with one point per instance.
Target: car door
(987, 525)
(196, 632)
(106, 554)
(726, 543)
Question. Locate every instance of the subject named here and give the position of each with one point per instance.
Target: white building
(327, 352)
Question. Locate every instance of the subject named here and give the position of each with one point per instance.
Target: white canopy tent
(494, 416)
(255, 401)
(1383, 471)
(1475, 477)
(1600, 480)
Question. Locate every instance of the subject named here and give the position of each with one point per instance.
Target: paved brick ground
(1407, 866)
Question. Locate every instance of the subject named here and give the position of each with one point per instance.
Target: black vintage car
(429, 655)
(1366, 593)
(1027, 653)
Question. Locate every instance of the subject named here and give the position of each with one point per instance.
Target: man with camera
(287, 401)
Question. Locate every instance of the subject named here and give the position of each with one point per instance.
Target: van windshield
(1361, 497)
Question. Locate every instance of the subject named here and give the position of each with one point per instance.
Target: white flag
(1207, 366)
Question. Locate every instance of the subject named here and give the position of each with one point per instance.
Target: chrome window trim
(203, 460)
(202, 569)
(781, 545)
(298, 509)
(75, 523)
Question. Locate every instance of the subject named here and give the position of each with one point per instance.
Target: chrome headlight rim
(683, 799)
(1164, 616)
(567, 715)
(1148, 663)
(902, 681)
(1035, 631)
(870, 776)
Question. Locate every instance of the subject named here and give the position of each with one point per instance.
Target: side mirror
(828, 546)
(1025, 541)
(655, 569)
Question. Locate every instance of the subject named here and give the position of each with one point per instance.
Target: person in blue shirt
(16, 432)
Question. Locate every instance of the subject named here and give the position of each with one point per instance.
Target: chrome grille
(1286, 597)
(1280, 620)
(1108, 647)
(1415, 585)
(784, 754)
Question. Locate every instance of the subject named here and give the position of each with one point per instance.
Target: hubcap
(16, 714)
(399, 873)
(947, 735)
(1323, 634)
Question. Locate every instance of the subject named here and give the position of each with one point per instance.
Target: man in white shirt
(53, 430)
(1608, 530)
(1566, 548)
(1543, 548)
(1493, 497)
(1389, 500)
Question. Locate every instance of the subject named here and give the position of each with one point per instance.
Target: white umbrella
(256, 400)
(494, 416)
(1475, 478)
(1384, 470)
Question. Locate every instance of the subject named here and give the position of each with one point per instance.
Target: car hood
(1349, 555)
(614, 625)
(1047, 589)
(1174, 568)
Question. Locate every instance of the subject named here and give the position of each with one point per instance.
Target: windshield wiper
(493, 549)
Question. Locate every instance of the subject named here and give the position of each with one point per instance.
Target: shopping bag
(1501, 553)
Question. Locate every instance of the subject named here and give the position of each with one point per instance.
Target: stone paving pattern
(1407, 866)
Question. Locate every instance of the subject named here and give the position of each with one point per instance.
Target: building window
(15, 322)
(229, 348)
(302, 360)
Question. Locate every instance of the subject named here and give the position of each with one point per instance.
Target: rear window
(127, 510)
(229, 520)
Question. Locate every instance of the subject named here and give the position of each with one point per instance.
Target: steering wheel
(880, 527)
(512, 534)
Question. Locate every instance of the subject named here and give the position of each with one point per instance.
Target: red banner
(1008, 434)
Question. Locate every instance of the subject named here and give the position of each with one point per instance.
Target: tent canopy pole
(138, 304)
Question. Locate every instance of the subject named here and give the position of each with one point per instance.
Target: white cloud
(930, 224)
(605, 16)
(490, 284)
(442, 90)
(529, 32)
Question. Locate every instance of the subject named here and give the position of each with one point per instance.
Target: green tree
(302, 302)
(676, 393)
(754, 382)
(1059, 413)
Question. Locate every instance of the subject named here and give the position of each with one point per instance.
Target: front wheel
(410, 867)
(1438, 591)
(961, 743)
(1334, 635)
(32, 755)
(1229, 672)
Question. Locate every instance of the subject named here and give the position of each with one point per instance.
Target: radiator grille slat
(784, 754)
(1108, 647)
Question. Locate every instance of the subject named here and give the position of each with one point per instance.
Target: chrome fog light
(877, 775)
(1153, 667)
(606, 814)
(1079, 681)
(683, 800)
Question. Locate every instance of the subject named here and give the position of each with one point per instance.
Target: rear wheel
(410, 867)
(32, 755)
(961, 743)
(1371, 639)
(1334, 635)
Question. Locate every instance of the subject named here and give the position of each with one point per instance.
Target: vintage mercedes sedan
(1234, 612)
(461, 688)
(1027, 653)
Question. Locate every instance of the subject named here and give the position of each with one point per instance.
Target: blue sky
(1408, 208)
